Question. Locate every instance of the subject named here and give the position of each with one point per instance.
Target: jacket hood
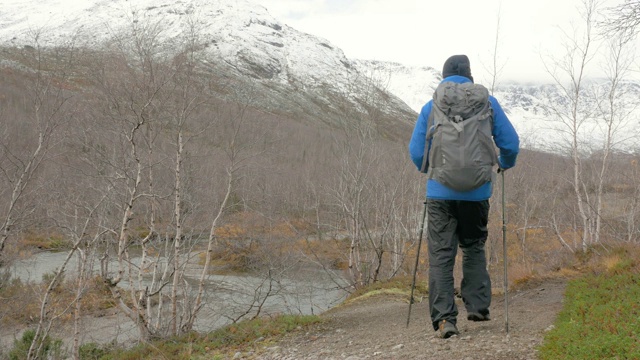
(456, 79)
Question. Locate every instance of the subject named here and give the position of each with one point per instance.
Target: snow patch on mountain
(414, 85)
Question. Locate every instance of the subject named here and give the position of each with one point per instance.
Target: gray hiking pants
(451, 224)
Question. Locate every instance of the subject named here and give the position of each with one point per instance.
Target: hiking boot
(447, 329)
(473, 316)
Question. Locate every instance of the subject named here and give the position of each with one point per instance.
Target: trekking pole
(504, 253)
(415, 269)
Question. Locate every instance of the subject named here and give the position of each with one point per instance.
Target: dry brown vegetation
(21, 304)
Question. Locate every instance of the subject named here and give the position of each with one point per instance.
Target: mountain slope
(298, 75)
(414, 85)
(286, 71)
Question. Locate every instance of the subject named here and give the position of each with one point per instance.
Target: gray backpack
(459, 128)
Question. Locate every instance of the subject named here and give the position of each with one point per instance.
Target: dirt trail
(375, 328)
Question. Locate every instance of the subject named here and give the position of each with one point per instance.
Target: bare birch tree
(85, 230)
(132, 110)
(622, 20)
(495, 68)
(48, 107)
(614, 112)
(569, 73)
(371, 188)
(167, 100)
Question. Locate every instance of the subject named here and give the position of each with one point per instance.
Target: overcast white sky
(426, 32)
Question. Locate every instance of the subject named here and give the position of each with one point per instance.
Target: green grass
(600, 318)
(219, 344)
(400, 285)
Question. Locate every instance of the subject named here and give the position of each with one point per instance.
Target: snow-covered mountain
(240, 33)
(293, 73)
(296, 74)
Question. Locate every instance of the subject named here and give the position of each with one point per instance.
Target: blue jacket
(504, 136)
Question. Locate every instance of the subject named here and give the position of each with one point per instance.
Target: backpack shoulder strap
(425, 158)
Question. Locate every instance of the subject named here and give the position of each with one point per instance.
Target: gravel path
(375, 328)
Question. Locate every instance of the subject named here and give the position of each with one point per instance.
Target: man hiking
(453, 142)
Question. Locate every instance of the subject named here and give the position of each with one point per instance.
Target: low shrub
(51, 348)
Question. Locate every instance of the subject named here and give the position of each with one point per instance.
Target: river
(297, 291)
